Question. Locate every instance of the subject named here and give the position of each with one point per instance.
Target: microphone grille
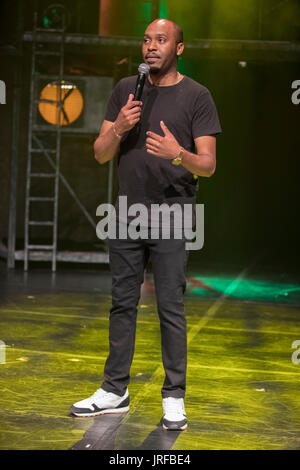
(144, 68)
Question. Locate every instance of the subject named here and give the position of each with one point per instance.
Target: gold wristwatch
(177, 160)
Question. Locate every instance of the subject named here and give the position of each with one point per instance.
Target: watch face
(70, 98)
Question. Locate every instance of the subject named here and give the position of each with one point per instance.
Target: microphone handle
(139, 87)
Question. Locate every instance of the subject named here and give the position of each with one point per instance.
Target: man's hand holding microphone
(128, 116)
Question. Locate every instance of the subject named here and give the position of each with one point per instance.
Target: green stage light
(247, 289)
(55, 16)
(163, 9)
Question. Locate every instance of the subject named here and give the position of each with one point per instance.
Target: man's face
(159, 46)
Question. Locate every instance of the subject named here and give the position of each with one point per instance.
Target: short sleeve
(205, 119)
(114, 104)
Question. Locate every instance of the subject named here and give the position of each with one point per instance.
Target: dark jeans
(128, 259)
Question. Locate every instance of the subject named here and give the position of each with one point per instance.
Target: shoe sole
(102, 412)
(175, 429)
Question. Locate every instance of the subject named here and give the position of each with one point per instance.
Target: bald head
(162, 46)
(169, 24)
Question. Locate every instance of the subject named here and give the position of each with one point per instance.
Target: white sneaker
(174, 418)
(100, 403)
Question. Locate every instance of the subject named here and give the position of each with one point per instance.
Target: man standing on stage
(162, 142)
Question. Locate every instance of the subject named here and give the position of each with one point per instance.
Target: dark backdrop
(252, 200)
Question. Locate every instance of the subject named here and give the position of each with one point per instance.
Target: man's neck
(168, 79)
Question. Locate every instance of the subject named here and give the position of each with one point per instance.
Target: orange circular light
(70, 98)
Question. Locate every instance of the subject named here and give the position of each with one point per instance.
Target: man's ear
(180, 47)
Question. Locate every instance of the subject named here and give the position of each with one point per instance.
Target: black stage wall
(251, 202)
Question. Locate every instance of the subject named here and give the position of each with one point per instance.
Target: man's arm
(203, 163)
(108, 141)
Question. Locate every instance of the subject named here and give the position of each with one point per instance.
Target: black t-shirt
(188, 110)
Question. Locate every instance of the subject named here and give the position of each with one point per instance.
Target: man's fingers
(150, 147)
(164, 128)
(134, 116)
(154, 139)
(154, 136)
(135, 121)
(130, 114)
(152, 151)
(151, 142)
(134, 104)
(131, 104)
(135, 110)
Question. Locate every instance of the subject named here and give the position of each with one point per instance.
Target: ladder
(36, 151)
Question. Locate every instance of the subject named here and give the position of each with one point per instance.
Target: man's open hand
(164, 147)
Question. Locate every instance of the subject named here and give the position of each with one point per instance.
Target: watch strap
(177, 160)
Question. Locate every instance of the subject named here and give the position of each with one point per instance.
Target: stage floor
(242, 380)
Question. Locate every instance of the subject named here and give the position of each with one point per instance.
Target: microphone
(143, 70)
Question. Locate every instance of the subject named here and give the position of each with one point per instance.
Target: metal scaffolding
(35, 151)
(38, 150)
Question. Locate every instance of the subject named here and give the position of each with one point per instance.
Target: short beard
(154, 70)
